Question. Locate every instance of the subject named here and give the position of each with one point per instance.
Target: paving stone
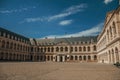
(58, 71)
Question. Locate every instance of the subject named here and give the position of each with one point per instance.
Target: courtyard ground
(57, 71)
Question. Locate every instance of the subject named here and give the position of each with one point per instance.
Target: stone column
(46, 58)
(40, 56)
(58, 58)
(68, 49)
(108, 57)
(4, 55)
(46, 50)
(24, 57)
(15, 57)
(115, 59)
(63, 58)
(111, 57)
(78, 57)
(73, 57)
(112, 32)
(92, 58)
(82, 57)
(86, 58)
(50, 58)
(54, 58)
(119, 55)
(54, 51)
(67, 57)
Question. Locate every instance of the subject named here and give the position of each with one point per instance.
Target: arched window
(71, 49)
(57, 49)
(94, 48)
(84, 57)
(80, 57)
(37, 49)
(52, 49)
(7, 45)
(18, 47)
(48, 58)
(15, 46)
(88, 48)
(66, 48)
(75, 57)
(108, 34)
(66, 58)
(110, 31)
(24, 48)
(44, 49)
(114, 28)
(71, 57)
(61, 49)
(48, 49)
(3, 44)
(1, 55)
(31, 49)
(84, 48)
(51, 58)
(117, 55)
(76, 49)
(89, 57)
(11, 45)
(28, 49)
(41, 49)
(80, 48)
(95, 57)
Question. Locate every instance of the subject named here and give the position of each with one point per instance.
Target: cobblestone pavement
(57, 71)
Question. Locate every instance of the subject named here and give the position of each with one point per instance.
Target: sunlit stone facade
(82, 49)
(13, 47)
(108, 45)
(103, 49)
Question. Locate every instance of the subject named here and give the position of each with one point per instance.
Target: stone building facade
(104, 48)
(82, 49)
(108, 44)
(13, 47)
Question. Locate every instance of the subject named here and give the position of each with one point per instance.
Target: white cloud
(33, 19)
(89, 32)
(16, 10)
(76, 8)
(57, 16)
(67, 12)
(107, 1)
(65, 22)
(6, 11)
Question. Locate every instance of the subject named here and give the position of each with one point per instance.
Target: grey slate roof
(12, 33)
(70, 40)
(48, 41)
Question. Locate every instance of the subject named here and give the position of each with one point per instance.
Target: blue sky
(55, 18)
